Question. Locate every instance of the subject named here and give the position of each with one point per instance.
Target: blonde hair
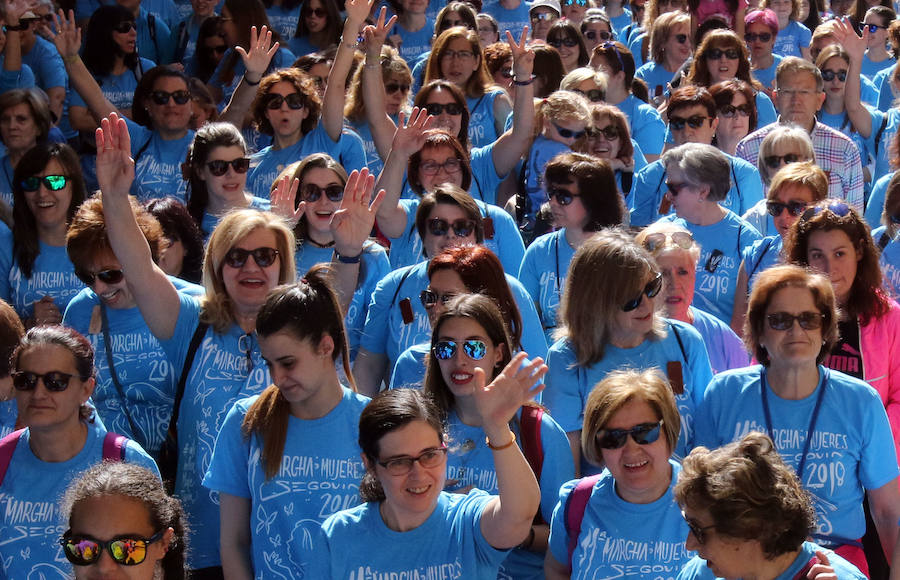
(391, 65)
(571, 81)
(662, 31)
(803, 174)
(562, 106)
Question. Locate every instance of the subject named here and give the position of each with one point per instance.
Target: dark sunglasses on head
(785, 320)
(568, 133)
(651, 289)
(436, 109)
(237, 257)
(294, 101)
(731, 111)
(51, 182)
(774, 161)
(105, 276)
(698, 531)
(717, 53)
(446, 349)
(795, 208)
(593, 95)
(392, 88)
(762, 36)
(312, 192)
(610, 132)
(317, 12)
(460, 227)
(683, 240)
(162, 97)
(125, 27)
(429, 298)
(642, 434)
(828, 75)
(681, 38)
(85, 550)
(694, 122)
(55, 381)
(558, 42)
(593, 34)
(219, 167)
(562, 196)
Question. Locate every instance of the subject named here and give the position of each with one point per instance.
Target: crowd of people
(488, 289)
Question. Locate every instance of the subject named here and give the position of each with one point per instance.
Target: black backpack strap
(759, 260)
(879, 134)
(627, 179)
(737, 188)
(188, 363)
(151, 25)
(143, 148)
(680, 343)
(883, 240)
(400, 285)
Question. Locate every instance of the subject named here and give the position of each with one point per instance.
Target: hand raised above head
(115, 167)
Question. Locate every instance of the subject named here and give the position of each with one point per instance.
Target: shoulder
(655, 168)
(742, 164)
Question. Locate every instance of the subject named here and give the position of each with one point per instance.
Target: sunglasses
(563, 196)
(219, 167)
(731, 111)
(84, 550)
(402, 465)
(762, 36)
(461, 227)
(237, 257)
(775, 161)
(828, 75)
(675, 188)
(581, 3)
(429, 298)
(681, 38)
(105, 276)
(651, 289)
(873, 28)
(610, 132)
(312, 192)
(695, 122)
(162, 97)
(436, 109)
(218, 49)
(544, 16)
(717, 53)
(125, 27)
(593, 34)
(317, 12)
(55, 381)
(394, 87)
(795, 208)
(568, 133)
(642, 434)
(294, 101)
(683, 240)
(51, 182)
(785, 320)
(451, 165)
(558, 42)
(698, 531)
(838, 208)
(446, 349)
(593, 95)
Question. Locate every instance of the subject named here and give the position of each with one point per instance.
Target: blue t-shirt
(720, 259)
(725, 349)
(871, 68)
(284, 58)
(282, 20)
(841, 122)
(621, 21)
(766, 76)
(448, 545)
(882, 82)
(158, 46)
(542, 151)
(471, 462)
(46, 64)
(268, 163)
(543, 274)
(619, 539)
(656, 76)
(30, 519)
(647, 126)
(697, 569)
(210, 221)
(791, 38)
(15, 79)
(228, 366)
(850, 450)
(482, 130)
(51, 275)
(6, 180)
(875, 204)
(568, 385)
(373, 160)
(761, 255)
(319, 475)
(145, 375)
(415, 43)
(881, 142)
(118, 89)
(351, 150)
(890, 266)
(157, 170)
(512, 20)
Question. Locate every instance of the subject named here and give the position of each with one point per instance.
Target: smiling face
(18, 128)
(600, 144)
(438, 156)
(568, 54)
(231, 185)
(433, 244)
(679, 271)
(116, 295)
(50, 208)
(41, 409)
(444, 282)
(574, 215)
(834, 254)
(248, 285)
(286, 122)
(675, 52)
(396, 93)
(880, 36)
(631, 328)
(782, 9)
(299, 368)
(794, 346)
(594, 33)
(452, 123)
(319, 213)
(170, 116)
(458, 371)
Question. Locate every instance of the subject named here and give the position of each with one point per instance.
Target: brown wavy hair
(304, 85)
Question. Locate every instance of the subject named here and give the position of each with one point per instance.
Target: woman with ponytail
(287, 459)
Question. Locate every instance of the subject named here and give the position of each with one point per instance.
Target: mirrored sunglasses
(446, 349)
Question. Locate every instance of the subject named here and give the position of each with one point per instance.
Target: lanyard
(812, 422)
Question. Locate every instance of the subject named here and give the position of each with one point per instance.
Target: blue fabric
(841, 122)
(512, 20)
(6, 179)
(852, 449)
(373, 159)
(147, 379)
(351, 151)
(621, 21)
(164, 9)
(268, 163)
(51, 275)
(883, 149)
(482, 130)
(30, 518)
(697, 569)
(542, 151)
(882, 82)
(46, 64)
(875, 205)
(871, 68)
(409, 370)
(543, 274)
(189, 27)
(157, 172)
(725, 349)
(791, 38)
(655, 75)
(714, 290)
(218, 377)
(568, 385)
(761, 255)
(282, 20)
(210, 221)
(766, 76)
(414, 43)
(284, 58)
(301, 46)
(320, 473)
(485, 179)
(11, 79)
(118, 89)
(162, 48)
(635, 45)
(449, 544)
(890, 267)
(619, 539)
(8, 414)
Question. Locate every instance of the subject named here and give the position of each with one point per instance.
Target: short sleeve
(228, 469)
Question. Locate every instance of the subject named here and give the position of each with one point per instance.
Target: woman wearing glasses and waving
(53, 374)
(830, 427)
(609, 319)
(631, 426)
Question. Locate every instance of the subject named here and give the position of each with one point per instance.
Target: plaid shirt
(835, 154)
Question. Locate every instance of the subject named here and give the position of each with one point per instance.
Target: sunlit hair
(497, 56)
(11, 332)
(447, 193)
(562, 29)
(619, 388)
(581, 74)
(791, 66)
(302, 83)
(111, 479)
(298, 170)
(607, 271)
(652, 14)
(616, 118)
(701, 165)
(804, 174)
(548, 69)
(783, 136)
(392, 67)
(662, 29)
(234, 227)
(723, 40)
(668, 246)
(770, 281)
(596, 183)
(434, 139)
(723, 94)
(458, 97)
(562, 107)
(750, 493)
(206, 140)
(766, 17)
(479, 81)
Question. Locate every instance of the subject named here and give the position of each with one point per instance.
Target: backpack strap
(759, 261)
(627, 179)
(188, 363)
(884, 122)
(151, 25)
(576, 503)
(137, 156)
(883, 240)
(680, 343)
(530, 434)
(114, 447)
(7, 448)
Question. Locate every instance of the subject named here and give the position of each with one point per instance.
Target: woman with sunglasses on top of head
(608, 138)
(794, 187)
(566, 38)
(469, 334)
(630, 430)
(120, 520)
(308, 415)
(53, 374)
(36, 276)
(611, 317)
(677, 253)
(670, 47)
(830, 427)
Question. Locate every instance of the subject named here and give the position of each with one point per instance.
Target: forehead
(458, 43)
(447, 211)
(461, 327)
(283, 88)
(793, 191)
(798, 80)
(439, 96)
(320, 176)
(17, 110)
(226, 153)
(439, 153)
(260, 237)
(738, 98)
(691, 111)
(170, 83)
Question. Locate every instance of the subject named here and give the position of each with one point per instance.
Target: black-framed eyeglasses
(127, 551)
(105, 276)
(311, 192)
(568, 133)
(775, 161)
(698, 531)
(431, 457)
(593, 34)
(775, 208)
(762, 37)
(712, 263)
(452, 109)
(441, 227)
(237, 257)
(429, 298)
(446, 349)
(162, 97)
(694, 122)
(56, 381)
(651, 289)
(294, 101)
(562, 196)
(219, 167)
(717, 53)
(568, 42)
(51, 182)
(457, 54)
(785, 320)
(125, 27)
(731, 111)
(452, 165)
(593, 95)
(642, 434)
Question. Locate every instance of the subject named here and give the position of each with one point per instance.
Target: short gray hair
(702, 165)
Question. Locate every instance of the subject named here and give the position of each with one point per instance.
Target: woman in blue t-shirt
(24, 122)
(317, 29)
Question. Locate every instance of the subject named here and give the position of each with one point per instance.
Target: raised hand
(257, 60)
(352, 223)
(410, 136)
(358, 10)
(68, 36)
(515, 385)
(846, 35)
(46, 312)
(523, 55)
(284, 198)
(115, 167)
(14, 10)
(376, 35)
